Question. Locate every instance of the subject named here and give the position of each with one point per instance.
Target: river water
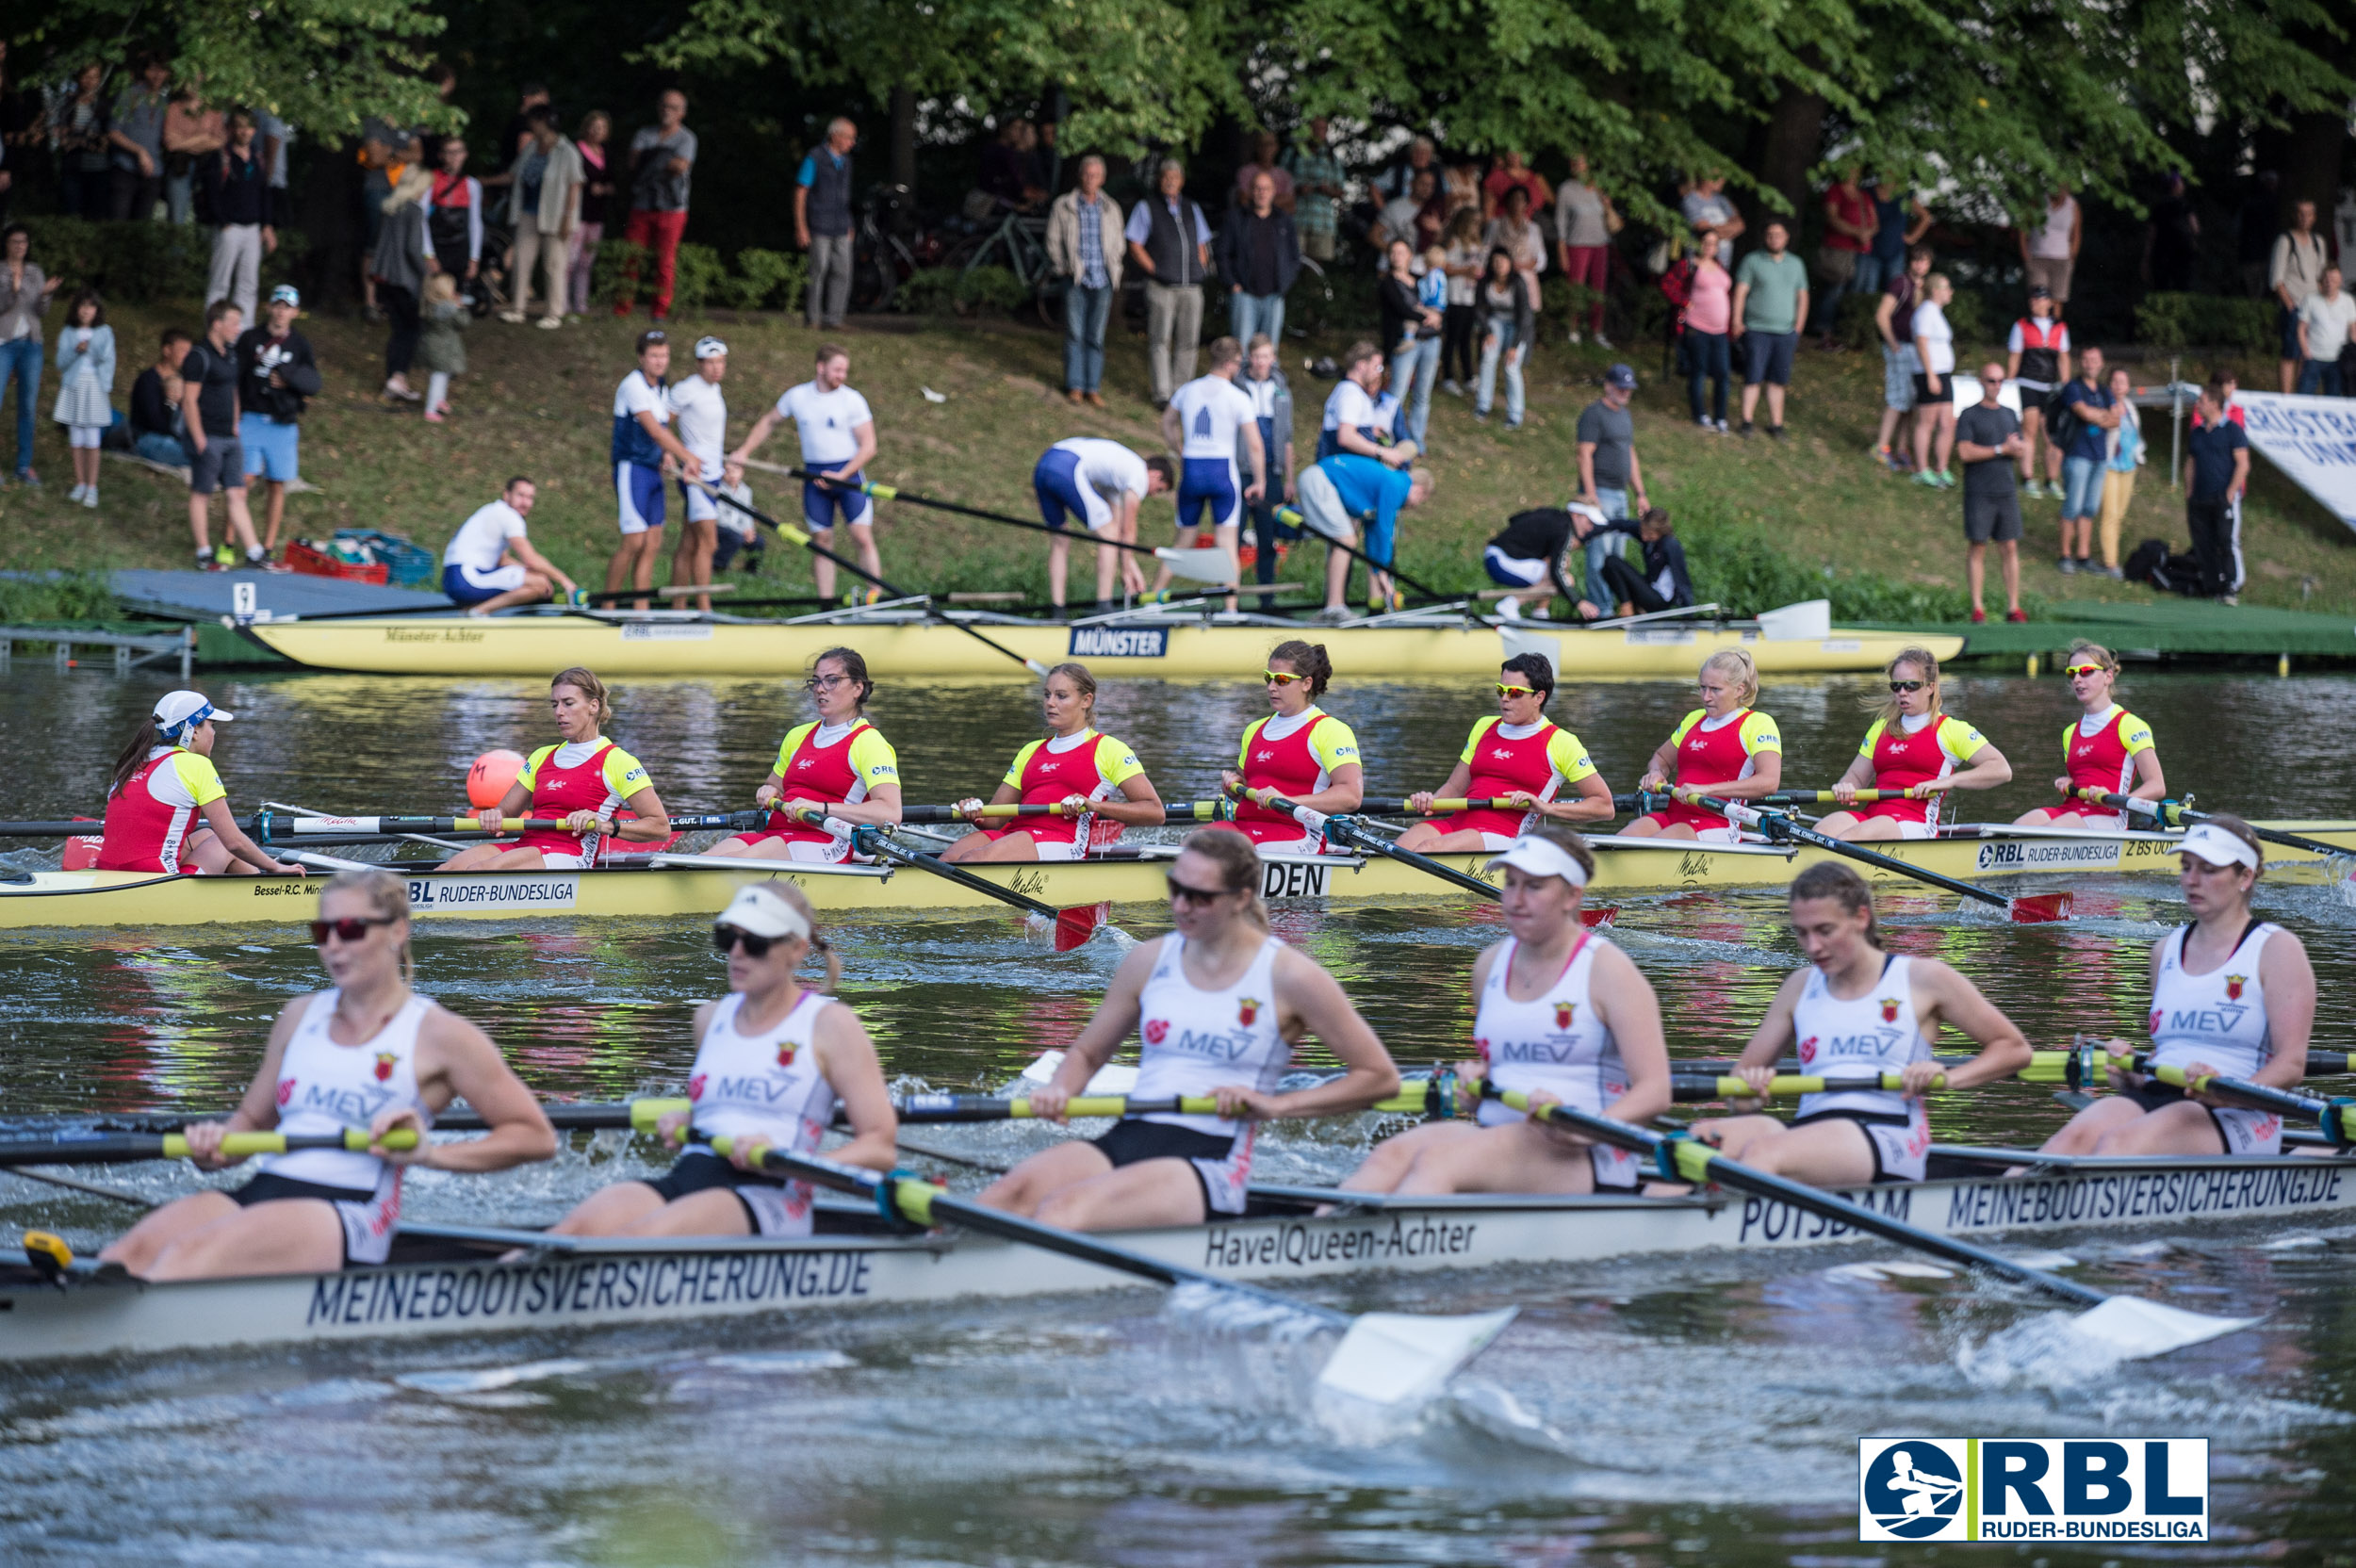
(1688, 1412)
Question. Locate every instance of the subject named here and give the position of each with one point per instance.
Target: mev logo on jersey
(2032, 1489)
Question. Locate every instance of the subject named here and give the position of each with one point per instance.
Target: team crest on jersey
(1247, 1009)
(2154, 1027)
(1264, 756)
(1808, 1049)
(2233, 983)
(696, 1086)
(1502, 754)
(1564, 1013)
(785, 1054)
(1157, 1031)
(384, 1060)
(1889, 1010)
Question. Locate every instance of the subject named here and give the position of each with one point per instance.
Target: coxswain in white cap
(166, 807)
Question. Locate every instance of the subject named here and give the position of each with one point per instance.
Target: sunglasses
(1277, 677)
(1505, 690)
(2082, 669)
(724, 938)
(825, 682)
(1907, 685)
(1181, 893)
(345, 930)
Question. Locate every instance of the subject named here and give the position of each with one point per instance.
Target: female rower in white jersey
(1915, 745)
(1217, 1005)
(774, 1059)
(1563, 1016)
(2232, 995)
(837, 765)
(370, 1054)
(599, 792)
(1096, 778)
(1858, 1011)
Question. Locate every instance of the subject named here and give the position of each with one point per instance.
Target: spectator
(1900, 220)
(2294, 270)
(596, 203)
(1893, 319)
(1084, 228)
(1339, 491)
(490, 564)
(1462, 259)
(1933, 388)
(1610, 474)
(1042, 164)
(441, 348)
(1005, 171)
(1529, 556)
(1170, 243)
(1411, 337)
(208, 408)
(273, 136)
(2343, 223)
(699, 414)
(2217, 475)
(424, 145)
(1661, 582)
(518, 133)
(277, 376)
(156, 422)
(1406, 217)
(191, 133)
(1460, 190)
(1352, 423)
(1584, 222)
(25, 295)
(2261, 211)
(2172, 241)
(77, 140)
(1263, 381)
(2050, 255)
(400, 263)
(1399, 179)
(1512, 231)
(1705, 207)
(135, 134)
(661, 167)
(2094, 414)
(2325, 319)
(1259, 256)
(547, 179)
(644, 445)
(86, 384)
(1987, 437)
(1317, 190)
(236, 189)
(1264, 161)
(2127, 451)
(2037, 360)
(822, 227)
(1708, 334)
(1770, 303)
(1851, 224)
(380, 168)
(1508, 327)
(1510, 173)
(453, 213)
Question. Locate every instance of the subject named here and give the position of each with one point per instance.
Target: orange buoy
(487, 781)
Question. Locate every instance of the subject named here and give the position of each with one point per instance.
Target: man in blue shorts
(644, 448)
(490, 563)
(1206, 420)
(838, 432)
(276, 375)
(1099, 483)
(1339, 493)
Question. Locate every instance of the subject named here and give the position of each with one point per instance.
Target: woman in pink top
(1709, 320)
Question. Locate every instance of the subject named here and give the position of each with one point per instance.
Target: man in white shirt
(643, 449)
(1099, 483)
(2324, 319)
(838, 432)
(1206, 420)
(700, 415)
(490, 564)
(1353, 422)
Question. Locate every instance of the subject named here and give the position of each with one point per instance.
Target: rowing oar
(2079, 1067)
(1073, 927)
(1292, 516)
(2175, 814)
(1826, 797)
(1386, 1360)
(1201, 810)
(272, 827)
(117, 1148)
(2037, 910)
(2130, 1325)
(2329, 1116)
(795, 535)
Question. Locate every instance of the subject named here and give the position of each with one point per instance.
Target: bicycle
(889, 246)
(1022, 239)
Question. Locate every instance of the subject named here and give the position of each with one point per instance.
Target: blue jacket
(98, 359)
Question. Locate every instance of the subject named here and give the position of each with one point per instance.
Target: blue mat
(207, 595)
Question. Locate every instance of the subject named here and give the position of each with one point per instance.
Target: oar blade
(1390, 1359)
(1202, 565)
(1075, 927)
(2131, 1327)
(1602, 914)
(2041, 909)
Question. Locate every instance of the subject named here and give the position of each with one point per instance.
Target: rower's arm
(881, 808)
(1624, 1004)
(2151, 784)
(2289, 980)
(1312, 1002)
(1859, 774)
(1988, 769)
(1139, 806)
(1956, 1002)
(754, 437)
(865, 434)
(1592, 804)
(258, 1111)
(1115, 1018)
(1345, 792)
(521, 547)
(232, 839)
(847, 1057)
(1766, 778)
(1774, 1032)
(1459, 780)
(650, 823)
(767, 793)
(1657, 773)
(457, 1060)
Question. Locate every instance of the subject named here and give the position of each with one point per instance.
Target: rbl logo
(1157, 1031)
(1247, 1009)
(2233, 983)
(1564, 1013)
(696, 1086)
(1889, 1010)
(384, 1060)
(286, 1090)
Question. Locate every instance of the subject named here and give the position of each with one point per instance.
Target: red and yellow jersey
(1708, 756)
(149, 819)
(1089, 764)
(2105, 759)
(1543, 761)
(1300, 761)
(1904, 758)
(840, 769)
(579, 776)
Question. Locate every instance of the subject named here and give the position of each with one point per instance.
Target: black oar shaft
(1776, 826)
(871, 841)
(894, 493)
(2176, 814)
(1292, 517)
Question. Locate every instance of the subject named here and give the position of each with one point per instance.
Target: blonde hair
(583, 680)
(388, 898)
(2095, 652)
(1743, 668)
(1887, 705)
(1238, 861)
(442, 289)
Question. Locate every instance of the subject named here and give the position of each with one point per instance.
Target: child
(440, 349)
(1432, 288)
(85, 358)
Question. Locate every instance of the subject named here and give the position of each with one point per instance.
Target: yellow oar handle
(239, 1145)
(644, 1114)
(1791, 1086)
(907, 1197)
(1689, 1158)
(1408, 1102)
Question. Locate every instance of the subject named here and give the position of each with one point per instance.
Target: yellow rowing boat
(660, 890)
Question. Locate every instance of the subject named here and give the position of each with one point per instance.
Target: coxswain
(370, 1055)
(1216, 1005)
(774, 1060)
(600, 792)
(167, 810)
(1300, 753)
(1858, 1010)
(1560, 1015)
(837, 765)
(1916, 746)
(2107, 749)
(1099, 483)
(1097, 779)
(1726, 747)
(1517, 756)
(2232, 995)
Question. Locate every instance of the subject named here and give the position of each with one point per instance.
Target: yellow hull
(681, 645)
(96, 898)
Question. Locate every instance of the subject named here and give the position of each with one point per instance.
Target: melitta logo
(1157, 1031)
(2032, 1489)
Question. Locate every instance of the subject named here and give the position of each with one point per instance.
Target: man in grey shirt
(135, 136)
(1609, 473)
(661, 160)
(1987, 438)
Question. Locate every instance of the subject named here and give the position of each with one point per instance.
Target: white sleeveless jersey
(1555, 1042)
(324, 1088)
(2218, 1018)
(1872, 1033)
(1197, 1040)
(765, 1084)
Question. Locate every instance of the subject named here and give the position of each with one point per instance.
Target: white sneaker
(513, 318)
(551, 323)
(1575, 339)
(1602, 342)
(1510, 609)
(1543, 613)
(90, 497)
(74, 493)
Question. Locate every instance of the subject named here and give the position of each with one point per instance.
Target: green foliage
(772, 278)
(2206, 321)
(1565, 307)
(1342, 300)
(1853, 327)
(1967, 317)
(927, 291)
(142, 262)
(34, 598)
(696, 275)
(952, 292)
(1737, 562)
(618, 263)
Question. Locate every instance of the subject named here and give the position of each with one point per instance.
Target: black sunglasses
(1907, 685)
(1181, 893)
(725, 936)
(346, 930)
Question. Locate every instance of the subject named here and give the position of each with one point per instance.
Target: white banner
(2313, 440)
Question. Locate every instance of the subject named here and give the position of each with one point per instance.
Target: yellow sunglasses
(1505, 690)
(1278, 677)
(2084, 669)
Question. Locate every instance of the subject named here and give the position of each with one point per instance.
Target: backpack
(2062, 423)
(2153, 564)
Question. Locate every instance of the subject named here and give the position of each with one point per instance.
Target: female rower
(1916, 746)
(1518, 756)
(2108, 748)
(164, 781)
(1858, 1010)
(1217, 1005)
(1300, 753)
(1724, 747)
(586, 782)
(368, 1054)
(1564, 1016)
(2231, 995)
(839, 766)
(774, 1060)
(1095, 777)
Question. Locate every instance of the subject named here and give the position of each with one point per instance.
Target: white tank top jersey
(1875, 1033)
(324, 1088)
(1554, 1042)
(1211, 409)
(2218, 1018)
(766, 1085)
(1197, 1040)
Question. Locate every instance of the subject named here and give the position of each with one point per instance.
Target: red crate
(302, 558)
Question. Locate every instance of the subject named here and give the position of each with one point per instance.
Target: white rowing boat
(569, 1282)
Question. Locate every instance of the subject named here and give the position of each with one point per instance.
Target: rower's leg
(1228, 535)
(472, 857)
(286, 1236)
(1835, 1152)
(2086, 1130)
(821, 569)
(204, 850)
(1518, 1157)
(1391, 1160)
(518, 860)
(1058, 568)
(610, 1211)
(1108, 570)
(713, 1212)
(2038, 818)
(1150, 1192)
(1840, 824)
(1735, 1137)
(138, 1248)
(863, 536)
(1423, 837)
(1642, 827)
(1024, 1188)
(1017, 844)
(642, 570)
(2186, 1129)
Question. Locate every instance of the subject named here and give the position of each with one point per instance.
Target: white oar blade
(1392, 1359)
(1203, 566)
(2129, 1327)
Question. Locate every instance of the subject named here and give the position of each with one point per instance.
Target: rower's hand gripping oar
(1386, 1360)
(2128, 1326)
(2176, 813)
(2089, 1064)
(2037, 910)
(119, 1147)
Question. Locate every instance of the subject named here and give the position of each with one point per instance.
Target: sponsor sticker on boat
(1120, 642)
(490, 892)
(666, 632)
(2048, 855)
(2032, 1489)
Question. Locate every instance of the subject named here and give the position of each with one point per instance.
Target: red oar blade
(1074, 928)
(1601, 915)
(2041, 909)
